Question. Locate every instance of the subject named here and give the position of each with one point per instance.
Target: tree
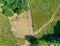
(17, 6)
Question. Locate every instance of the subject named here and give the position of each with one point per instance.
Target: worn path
(31, 28)
(49, 21)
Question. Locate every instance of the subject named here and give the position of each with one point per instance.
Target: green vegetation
(49, 29)
(42, 11)
(45, 43)
(6, 11)
(8, 8)
(6, 36)
(50, 34)
(15, 6)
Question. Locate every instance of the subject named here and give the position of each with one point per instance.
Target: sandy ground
(20, 24)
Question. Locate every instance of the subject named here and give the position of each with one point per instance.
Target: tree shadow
(48, 38)
(55, 36)
(31, 39)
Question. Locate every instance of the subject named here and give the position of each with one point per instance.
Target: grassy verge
(6, 36)
(20, 41)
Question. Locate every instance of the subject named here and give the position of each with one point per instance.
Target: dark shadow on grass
(48, 38)
(31, 39)
(55, 36)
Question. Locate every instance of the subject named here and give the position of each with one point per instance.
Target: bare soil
(20, 24)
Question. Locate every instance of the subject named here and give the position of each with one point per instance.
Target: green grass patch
(50, 35)
(49, 29)
(42, 11)
(7, 38)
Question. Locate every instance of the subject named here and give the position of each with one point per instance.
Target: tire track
(49, 21)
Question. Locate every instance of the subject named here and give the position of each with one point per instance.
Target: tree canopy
(17, 6)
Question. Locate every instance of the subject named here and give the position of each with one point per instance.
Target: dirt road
(31, 28)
